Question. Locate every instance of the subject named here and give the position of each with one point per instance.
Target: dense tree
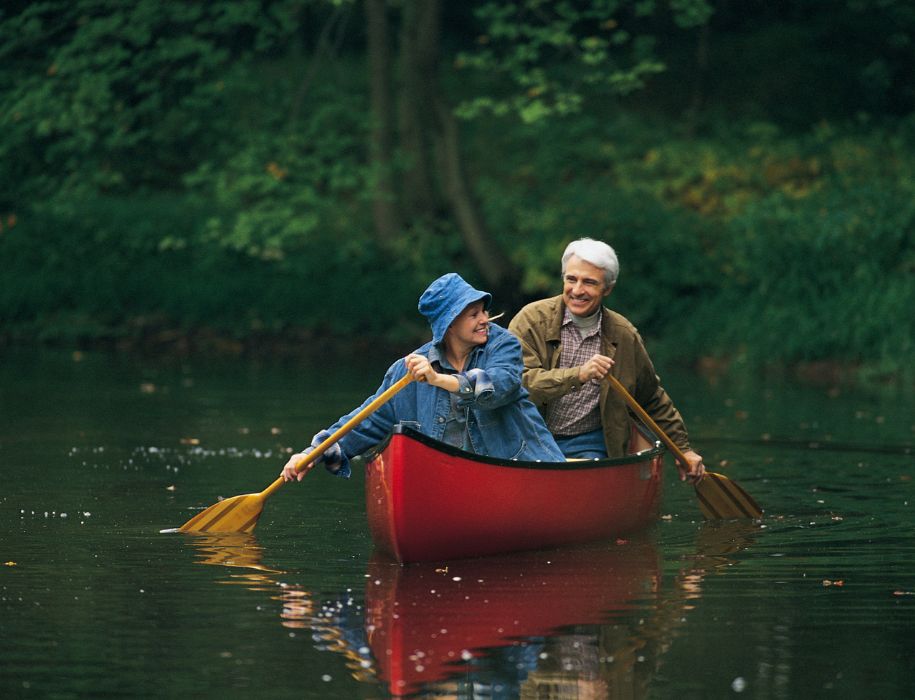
(219, 162)
(113, 96)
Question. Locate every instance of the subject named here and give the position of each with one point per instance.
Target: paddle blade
(236, 514)
(720, 498)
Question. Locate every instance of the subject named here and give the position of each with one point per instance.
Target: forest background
(265, 175)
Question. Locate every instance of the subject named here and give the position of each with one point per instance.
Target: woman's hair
(598, 254)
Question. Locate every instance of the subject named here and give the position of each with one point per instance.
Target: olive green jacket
(538, 327)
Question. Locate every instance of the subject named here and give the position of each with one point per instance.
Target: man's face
(583, 287)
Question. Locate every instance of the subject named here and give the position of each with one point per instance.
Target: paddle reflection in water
(588, 621)
(331, 629)
(233, 549)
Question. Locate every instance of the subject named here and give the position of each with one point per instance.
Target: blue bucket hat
(445, 299)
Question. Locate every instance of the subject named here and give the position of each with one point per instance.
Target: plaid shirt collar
(567, 320)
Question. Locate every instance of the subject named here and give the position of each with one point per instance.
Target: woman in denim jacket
(468, 392)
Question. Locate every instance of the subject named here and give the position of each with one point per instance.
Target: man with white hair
(571, 342)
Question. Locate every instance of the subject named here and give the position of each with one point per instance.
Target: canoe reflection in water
(428, 622)
(589, 621)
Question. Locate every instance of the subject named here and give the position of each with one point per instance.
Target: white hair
(598, 254)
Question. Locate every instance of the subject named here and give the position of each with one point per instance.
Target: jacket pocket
(521, 450)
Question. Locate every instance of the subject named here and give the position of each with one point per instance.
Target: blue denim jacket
(502, 421)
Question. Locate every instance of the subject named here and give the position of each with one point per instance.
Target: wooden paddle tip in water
(240, 513)
(236, 514)
(721, 499)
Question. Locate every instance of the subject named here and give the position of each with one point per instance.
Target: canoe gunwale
(645, 455)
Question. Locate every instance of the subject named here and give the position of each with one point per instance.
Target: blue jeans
(584, 446)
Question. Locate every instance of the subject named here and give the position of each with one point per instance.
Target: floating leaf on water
(9, 563)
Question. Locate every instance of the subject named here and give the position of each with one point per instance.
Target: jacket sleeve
(498, 381)
(543, 384)
(372, 429)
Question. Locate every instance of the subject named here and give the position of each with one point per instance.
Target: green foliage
(86, 270)
(166, 167)
(553, 56)
(830, 275)
(100, 272)
(746, 243)
(283, 188)
(106, 95)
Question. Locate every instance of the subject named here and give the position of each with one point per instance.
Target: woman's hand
(289, 473)
(420, 368)
(422, 371)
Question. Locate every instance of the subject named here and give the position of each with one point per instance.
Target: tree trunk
(494, 266)
(434, 182)
(419, 42)
(697, 98)
(385, 211)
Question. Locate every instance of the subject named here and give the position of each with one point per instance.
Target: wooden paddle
(719, 497)
(240, 513)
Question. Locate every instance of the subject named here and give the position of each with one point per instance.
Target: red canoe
(427, 501)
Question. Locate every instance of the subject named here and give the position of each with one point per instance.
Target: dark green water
(98, 454)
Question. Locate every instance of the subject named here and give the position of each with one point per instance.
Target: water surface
(100, 452)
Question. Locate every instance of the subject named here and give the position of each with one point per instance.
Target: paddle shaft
(718, 496)
(308, 460)
(641, 413)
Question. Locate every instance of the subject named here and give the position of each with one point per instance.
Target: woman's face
(471, 327)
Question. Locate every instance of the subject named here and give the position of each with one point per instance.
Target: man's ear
(609, 289)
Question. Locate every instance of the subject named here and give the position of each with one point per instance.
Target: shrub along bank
(736, 241)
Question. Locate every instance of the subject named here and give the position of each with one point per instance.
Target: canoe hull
(427, 502)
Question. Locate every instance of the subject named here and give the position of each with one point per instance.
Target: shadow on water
(590, 621)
